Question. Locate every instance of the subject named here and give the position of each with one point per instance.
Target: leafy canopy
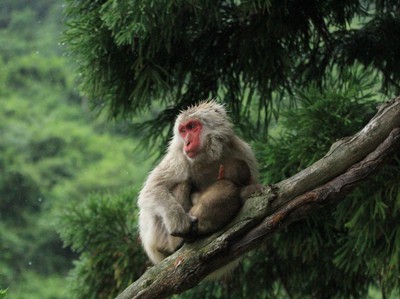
(137, 56)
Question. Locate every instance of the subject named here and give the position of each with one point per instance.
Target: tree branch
(349, 161)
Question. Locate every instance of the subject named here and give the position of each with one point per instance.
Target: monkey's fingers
(193, 234)
(194, 228)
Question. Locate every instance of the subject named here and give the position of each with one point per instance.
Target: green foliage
(381, 36)
(103, 230)
(53, 150)
(341, 251)
(34, 286)
(134, 55)
(49, 155)
(3, 294)
(372, 230)
(320, 119)
(27, 29)
(35, 68)
(9, 7)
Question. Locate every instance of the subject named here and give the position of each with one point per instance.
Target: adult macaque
(203, 140)
(220, 202)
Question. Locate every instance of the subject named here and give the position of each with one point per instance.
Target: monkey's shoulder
(169, 171)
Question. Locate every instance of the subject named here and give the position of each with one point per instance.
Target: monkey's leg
(174, 243)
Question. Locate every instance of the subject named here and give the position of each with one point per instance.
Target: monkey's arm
(181, 193)
(157, 197)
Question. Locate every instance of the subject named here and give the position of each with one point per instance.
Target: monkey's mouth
(191, 154)
(190, 150)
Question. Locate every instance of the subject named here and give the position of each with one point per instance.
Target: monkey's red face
(190, 132)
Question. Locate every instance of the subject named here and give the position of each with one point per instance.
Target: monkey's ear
(221, 172)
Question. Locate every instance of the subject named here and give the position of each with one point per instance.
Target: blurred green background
(54, 150)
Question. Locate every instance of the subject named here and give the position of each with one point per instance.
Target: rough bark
(349, 161)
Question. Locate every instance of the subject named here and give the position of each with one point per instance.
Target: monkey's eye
(182, 131)
(191, 126)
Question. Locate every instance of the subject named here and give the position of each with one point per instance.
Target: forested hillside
(54, 150)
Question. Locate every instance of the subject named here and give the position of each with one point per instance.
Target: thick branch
(331, 192)
(328, 180)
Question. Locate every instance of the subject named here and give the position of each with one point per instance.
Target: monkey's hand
(182, 226)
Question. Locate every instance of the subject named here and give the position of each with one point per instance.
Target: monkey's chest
(203, 177)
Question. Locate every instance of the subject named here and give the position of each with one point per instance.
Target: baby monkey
(220, 202)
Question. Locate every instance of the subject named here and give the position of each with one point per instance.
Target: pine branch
(349, 161)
